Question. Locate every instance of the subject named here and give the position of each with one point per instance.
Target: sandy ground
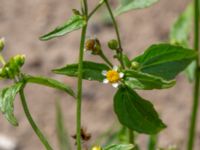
(23, 21)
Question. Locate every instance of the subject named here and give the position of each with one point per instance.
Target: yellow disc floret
(96, 148)
(113, 76)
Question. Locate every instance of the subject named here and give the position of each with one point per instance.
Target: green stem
(33, 124)
(117, 33)
(102, 55)
(95, 9)
(80, 76)
(152, 142)
(193, 121)
(131, 137)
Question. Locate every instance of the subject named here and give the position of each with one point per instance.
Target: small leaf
(74, 23)
(136, 113)
(133, 4)
(165, 60)
(144, 81)
(181, 29)
(120, 147)
(91, 70)
(7, 97)
(126, 61)
(50, 83)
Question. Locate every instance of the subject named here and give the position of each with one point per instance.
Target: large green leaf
(120, 147)
(144, 81)
(181, 29)
(136, 113)
(7, 97)
(165, 60)
(50, 83)
(133, 4)
(74, 23)
(91, 70)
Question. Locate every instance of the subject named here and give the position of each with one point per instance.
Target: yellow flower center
(96, 148)
(112, 76)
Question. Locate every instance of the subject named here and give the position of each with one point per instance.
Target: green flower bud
(135, 65)
(2, 44)
(113, 44)
(94, 46)
(12, 67)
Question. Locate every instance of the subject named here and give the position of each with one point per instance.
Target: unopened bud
(135, 65)
(113, 44)
(19, 60)
(2, 43)
(93, 45)
(96, 148)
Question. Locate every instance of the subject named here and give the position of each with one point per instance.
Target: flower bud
(2, 43)
(93, 45)
(96, 148)
(113, 44)
(135, 65)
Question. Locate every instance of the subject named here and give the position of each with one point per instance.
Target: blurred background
(23, 21)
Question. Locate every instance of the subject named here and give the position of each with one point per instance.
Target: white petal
(104, 72)
(115, 85)
(121, 75)
(115, 68)
(105, 81)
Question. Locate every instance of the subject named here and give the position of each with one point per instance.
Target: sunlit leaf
(136, 113)
(144, 81)
(50, 83)
(7, 97)
(74, 23)
(133, 4)
(91, 70)
(165, 60)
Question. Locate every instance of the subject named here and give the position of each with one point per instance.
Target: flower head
(96, 148)
(113, 76)
(93, 45)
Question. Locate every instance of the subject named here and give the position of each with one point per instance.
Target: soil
(22, 22)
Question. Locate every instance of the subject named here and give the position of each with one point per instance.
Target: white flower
(113, 76)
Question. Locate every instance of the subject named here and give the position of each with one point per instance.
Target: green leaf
(165, 60)
(63, 137)
(126, 61)
(181, 29)
(91, 70)
(120, 147)
(50, 83)
(144, 81)
(74, 23)
(136, 113)
(7, 97)
(133, 4)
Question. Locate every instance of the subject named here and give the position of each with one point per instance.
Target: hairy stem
(80, 75)
(195, 107)
(117, 33)
(33, 124)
